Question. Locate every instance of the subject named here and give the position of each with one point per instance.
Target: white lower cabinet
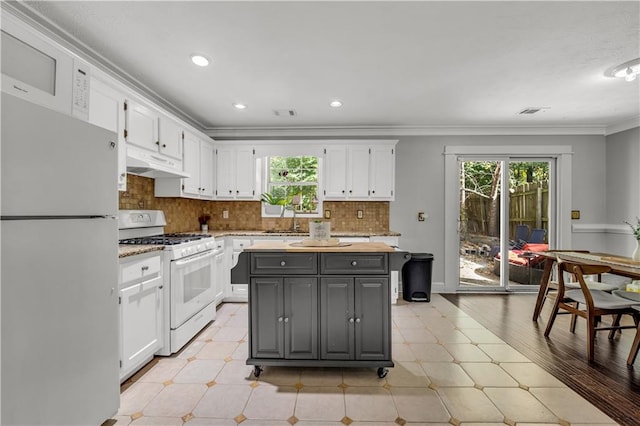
(238, 292)
(141, 311)
(222, 271)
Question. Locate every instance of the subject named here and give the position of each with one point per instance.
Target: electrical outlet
(225, 214)
(360, 214)
(327, 214)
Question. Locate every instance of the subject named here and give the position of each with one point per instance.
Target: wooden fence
(528, 205)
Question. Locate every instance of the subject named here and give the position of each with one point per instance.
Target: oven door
(192, 286)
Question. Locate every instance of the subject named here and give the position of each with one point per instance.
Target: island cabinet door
(301, 318)
(267, 317)
(372, 318)
(337, 318)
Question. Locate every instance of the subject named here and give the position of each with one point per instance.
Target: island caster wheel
(257, 370)
(382, 372)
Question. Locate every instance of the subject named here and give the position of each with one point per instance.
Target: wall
(182, 213)
(420, 186)
(622, 188)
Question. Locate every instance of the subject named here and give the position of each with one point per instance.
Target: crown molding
(621, 126)
(368, 131)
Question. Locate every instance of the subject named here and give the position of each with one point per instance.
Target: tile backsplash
(182, 213)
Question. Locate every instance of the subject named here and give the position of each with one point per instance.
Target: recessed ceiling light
(199, 60)
(239, 106)
(335, 104)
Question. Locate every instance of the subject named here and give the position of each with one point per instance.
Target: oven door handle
(194, 258)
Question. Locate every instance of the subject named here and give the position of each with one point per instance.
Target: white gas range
(189, 274)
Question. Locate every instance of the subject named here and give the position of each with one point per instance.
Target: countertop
(125, 250)
(132, 250)
(351, 248)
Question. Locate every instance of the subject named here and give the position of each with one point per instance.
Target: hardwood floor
(608, 383)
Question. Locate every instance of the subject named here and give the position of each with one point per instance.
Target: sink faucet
(295, 226)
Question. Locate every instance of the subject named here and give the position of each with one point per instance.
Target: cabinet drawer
(353, 263)
(284, 263)
(141, 268)
(240, 244)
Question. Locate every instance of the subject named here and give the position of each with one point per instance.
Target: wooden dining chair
(551, 289)
(589, 304)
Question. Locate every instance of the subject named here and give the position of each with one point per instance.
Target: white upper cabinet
(207, 161)
(382, 172)
(198, 161)
(106, 110)
(169, 137)
(335, 172)
(235, 172)
(142, 126)
(359, 172)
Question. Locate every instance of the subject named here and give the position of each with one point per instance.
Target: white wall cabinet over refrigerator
(198, 162)
(360, 172)
(141, 313)
(235, 173)
(106, 110)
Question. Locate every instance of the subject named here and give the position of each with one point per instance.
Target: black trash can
(416, 278)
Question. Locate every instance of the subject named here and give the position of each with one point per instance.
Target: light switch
(421, 217)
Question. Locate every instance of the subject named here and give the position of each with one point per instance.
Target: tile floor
(449, 370)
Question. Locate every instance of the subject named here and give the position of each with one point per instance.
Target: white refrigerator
(59, 268)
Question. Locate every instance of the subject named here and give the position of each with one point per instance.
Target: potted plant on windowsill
(204, 222)
(273, 204)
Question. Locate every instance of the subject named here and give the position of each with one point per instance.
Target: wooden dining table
(619, 265)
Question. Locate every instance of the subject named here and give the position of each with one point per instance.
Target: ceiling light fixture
(335, 104)
(199, 60)
(239, 106)
(629, 70)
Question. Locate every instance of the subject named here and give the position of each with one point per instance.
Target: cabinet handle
(160, 287)
(230, 192)
(373, 192)
(164, 145)
(237, 191)
(158, 143)
(283, 263)
(343, 191)
(351, 320)
(357, 320)
(286, 320)
(280, 319)
(145, 268)
(354, 263)
(350, 191)
(202, 189)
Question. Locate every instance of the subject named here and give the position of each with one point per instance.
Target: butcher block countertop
(343, 248)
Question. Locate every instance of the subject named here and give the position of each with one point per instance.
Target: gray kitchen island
(320, 306)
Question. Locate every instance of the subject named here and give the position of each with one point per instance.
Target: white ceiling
(403, 65)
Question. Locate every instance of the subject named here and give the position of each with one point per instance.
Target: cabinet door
(335, 172)
(206, 169)
(245, 173)
(372, 313)
(221, 269)
(267, 317)
(170, 137)
(142, 126)
(140, 323)
(358, 172)
(225, 173)
(107, 111)
(336, 318)
(301, 318)
(191, 164)
(381, 180)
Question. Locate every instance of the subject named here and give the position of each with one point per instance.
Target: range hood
(146, 164)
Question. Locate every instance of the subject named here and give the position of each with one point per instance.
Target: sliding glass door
(504, 217)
